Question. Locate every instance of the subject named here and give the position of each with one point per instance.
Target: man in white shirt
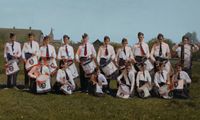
(12, 53)
(184, 51)
(66, 54)
(30, 48)
(141, 52)
(86, 51)
(160, 52)
(48, 52)
(105, 56)
(124, 54)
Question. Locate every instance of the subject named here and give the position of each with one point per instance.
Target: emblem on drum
(68, 88)
(43, 85)
(11, 68)
(31, 62)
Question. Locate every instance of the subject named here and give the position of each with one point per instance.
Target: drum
(43, 84)
(52, 66)
(165, 92)
(31, 62)
(144, 91)
(88, 66)
(108, 67)
(73, 70)
(123, 91)
(67, 88)
(179, 84)
(12, 68)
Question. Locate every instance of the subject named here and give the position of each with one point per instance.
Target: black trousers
(26, 78)
(83, 79)
(33, 85)
(11, 80)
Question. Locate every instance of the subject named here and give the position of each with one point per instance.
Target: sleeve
(195, 48)
(23, 51)
(70, 77)
(152, 53)
(120, 77)
(137, 79)
(37, 50)
(78, 54)
(187, 78)
(54, 52)
(5, 52)
(93, 51)
(99, 55)
(103, 79)
(148, 76)
(156, 79)
(132, 77)
(113, 53)
(147, 54)
(168, 51)
(117, 55)
(19, 50)
(72, 50)
(131, 55)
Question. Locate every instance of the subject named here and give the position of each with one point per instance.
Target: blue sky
(115, 18)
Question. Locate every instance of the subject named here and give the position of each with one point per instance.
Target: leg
(82, 78)
(26, 78)
(15, 79)
(9, 77)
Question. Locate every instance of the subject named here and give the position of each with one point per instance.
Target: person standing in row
(30, 49)
(12, 54)
(184, 51)
(85, 51)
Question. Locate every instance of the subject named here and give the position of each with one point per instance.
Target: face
(31, 38)
(178, 68)
(160, 39)
(141, 38)
(185, 41)
(46, 41)
(124, 44)
(107, 42)
(128, 68)
(161, 67)
(85, 40)
(66, 40)
(13, 38)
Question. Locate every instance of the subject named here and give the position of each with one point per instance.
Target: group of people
(137, 70)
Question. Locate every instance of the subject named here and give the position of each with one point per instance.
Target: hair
(160, 35)
(96, 70)
(85, 35)
(66, 36)
(124, 40)
(12, 35)
(140, 34)
(61, 63)
(185, 37)
(106, 38)
(128, 64)
(46, 37)
(30, 34)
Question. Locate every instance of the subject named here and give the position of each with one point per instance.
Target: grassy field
(17, 104)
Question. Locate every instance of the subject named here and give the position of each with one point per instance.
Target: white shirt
(62, 52)
(143, 77)
(102, 79)
(128, 77)
(61, 76)
(183, 76)
(156, 48)
(81, 49)
(137, 50)
(28, 49)
(121, 53)
(52, 52)
(159, 78)
(16, 49)
(101, 53)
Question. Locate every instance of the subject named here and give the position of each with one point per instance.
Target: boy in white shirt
(12, 54)
(30, 49)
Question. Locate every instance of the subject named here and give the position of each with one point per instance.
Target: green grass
(17, 104)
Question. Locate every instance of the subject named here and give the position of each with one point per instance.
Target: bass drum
(43, 84)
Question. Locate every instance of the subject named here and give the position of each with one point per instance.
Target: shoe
(26, 89)
(16, 88)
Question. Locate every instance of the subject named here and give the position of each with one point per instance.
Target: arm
(99, 55)
(120, 77)
(132, 77)
(78, 54)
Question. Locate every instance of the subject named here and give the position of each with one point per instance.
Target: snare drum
(43, 84)
(31, 62)
(67, 88)
(164, 92)
(89, 66)
(52, 66)
(73, 70)
(179, 84)
(144, 91)
(123, 91)
(12, 68)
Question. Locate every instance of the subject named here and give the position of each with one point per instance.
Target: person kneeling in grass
(182, 83)
(126, 82)
(98, 83)
(64, 80)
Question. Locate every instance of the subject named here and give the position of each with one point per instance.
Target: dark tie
(13, 46)
(162, 75)
(85, 51)
(31, 44)
(160, 52)
(47, 51)
(41, 69)
(144, 74)
(142, 50)
(106, 51)
(179, 77)
(182, 54)
(67, 51)
(125, 50)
